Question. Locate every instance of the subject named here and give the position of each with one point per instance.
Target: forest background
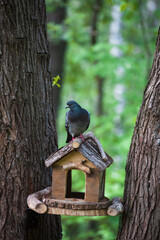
(103, 52)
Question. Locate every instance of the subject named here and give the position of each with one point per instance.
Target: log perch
(77, 142)
(35, 203)
(77, 165)
(116, 208)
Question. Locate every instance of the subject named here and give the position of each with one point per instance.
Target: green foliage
(52, 5)
(92, 227)
(55, 81)
(83, 63)
(78, 186)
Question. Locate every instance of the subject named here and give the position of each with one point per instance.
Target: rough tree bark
(141, 218)
(97, 6)
(27, 124)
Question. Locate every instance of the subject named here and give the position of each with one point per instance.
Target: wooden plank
(90, 151)
(77, 204)
(54, 157)
(92, 186)
(71, 212)
(58, 183)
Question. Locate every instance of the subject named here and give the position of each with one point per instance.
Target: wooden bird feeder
(89, 157)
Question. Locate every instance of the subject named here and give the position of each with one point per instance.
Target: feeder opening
(75, 184)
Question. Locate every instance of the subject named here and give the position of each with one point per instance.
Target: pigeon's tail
(69, 137)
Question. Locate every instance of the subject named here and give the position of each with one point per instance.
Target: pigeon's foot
(81, 136)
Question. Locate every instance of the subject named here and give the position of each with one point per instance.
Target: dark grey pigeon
(77, 120)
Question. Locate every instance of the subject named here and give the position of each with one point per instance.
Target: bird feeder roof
(88, 149)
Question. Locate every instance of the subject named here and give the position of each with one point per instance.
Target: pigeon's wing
(69, 137)
(66, 122)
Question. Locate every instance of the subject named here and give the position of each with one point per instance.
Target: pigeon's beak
(67, 106)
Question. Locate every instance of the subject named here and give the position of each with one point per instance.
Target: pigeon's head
(72, 105)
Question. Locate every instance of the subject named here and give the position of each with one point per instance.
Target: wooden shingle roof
(88, 149)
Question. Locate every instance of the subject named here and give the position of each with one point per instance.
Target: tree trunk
(57, 51)
(141, 218)
(94, 35)
(27, 124)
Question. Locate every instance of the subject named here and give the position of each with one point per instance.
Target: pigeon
(77, 121)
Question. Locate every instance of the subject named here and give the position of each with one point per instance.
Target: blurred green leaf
(55, 81)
